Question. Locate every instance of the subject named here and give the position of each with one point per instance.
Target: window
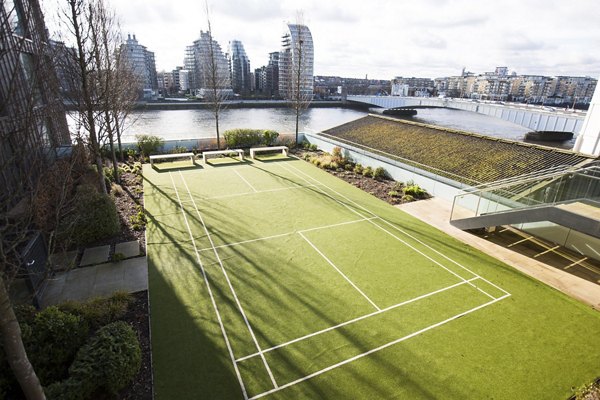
(16, 16)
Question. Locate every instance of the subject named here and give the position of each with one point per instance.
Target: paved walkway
(80, 284)
(436, 212)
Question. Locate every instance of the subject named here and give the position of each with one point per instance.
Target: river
(194, 124)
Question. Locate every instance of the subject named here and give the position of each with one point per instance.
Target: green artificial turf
(348, 297)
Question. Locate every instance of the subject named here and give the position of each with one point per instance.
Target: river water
(194, 124)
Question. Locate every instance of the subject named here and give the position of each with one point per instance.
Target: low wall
(437, 185)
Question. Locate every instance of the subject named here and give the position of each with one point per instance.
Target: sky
(382, 39)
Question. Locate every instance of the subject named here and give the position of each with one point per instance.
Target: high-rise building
(296, 62)
(33, 124)
(198, 61)
(239, 65)
(143, 64)
(272, 75)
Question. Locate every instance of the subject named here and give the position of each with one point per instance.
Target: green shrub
(109, 175)
(94, 218)
(398, 186)
(148, 144)
(407, 198)
(416, 191)
(243, 137)
(56, 336)
(316, 161)
(313, 147)
(99, 311)
(393, 193)
(348, 167)
(138, 220)
(368, 172)
(379, 173)
(334, 165)
(269, 137)
(178, 150)
(358, 169)
(70, 389)
(131, 153)
(110, 359)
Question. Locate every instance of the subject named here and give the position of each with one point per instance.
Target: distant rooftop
(465, 157)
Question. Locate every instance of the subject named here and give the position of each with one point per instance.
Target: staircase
(563, 196)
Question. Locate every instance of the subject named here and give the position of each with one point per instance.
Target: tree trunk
(119, 141)
(217, 127)
(14, 349)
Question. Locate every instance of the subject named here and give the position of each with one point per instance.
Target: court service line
(244, 179)
(285, 234)
(404, 233)
(331, 328)
(212, 298)
(390, 233)
(359, 356)
(227, 196)
(241, 309)
(339, 271)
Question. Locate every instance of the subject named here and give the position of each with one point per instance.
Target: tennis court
(277, 280)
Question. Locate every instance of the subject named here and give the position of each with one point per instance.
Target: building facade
(33, 124)
(296, 62)
(239, 66)
(200, 66)
(143, 64)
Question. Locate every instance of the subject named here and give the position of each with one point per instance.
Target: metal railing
(546, 188)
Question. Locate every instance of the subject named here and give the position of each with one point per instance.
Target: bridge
(536, 118)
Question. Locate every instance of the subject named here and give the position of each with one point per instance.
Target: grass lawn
(273, 279)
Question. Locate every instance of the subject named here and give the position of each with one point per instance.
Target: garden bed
(383, 188)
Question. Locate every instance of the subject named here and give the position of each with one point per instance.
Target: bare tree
(77, 24)
(32, 125)
(297, 62)
(215, 78)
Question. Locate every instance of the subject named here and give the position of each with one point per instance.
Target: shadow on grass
(169, 167)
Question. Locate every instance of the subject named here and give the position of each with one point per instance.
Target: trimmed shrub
(109, 360)
(358, 169)
(380, 173)
(178, 150)
(393, 193)
(55, 338)
(313, 147)
(348, 167)
(368, 172)
(149, 144)
(95, 217)
(243, 137)
(269, 137)
(100, 311)
(337, 153)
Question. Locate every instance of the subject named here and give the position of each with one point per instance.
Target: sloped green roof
(466, 157)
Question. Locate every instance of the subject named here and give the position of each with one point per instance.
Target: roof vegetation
(462, 156)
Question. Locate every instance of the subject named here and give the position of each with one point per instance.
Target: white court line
(255, 192)
(244, 179)
(405, 233)
(229, 283)
(284, 234)
(331, 328)
(349, 360)
(212, 298)
(340, 272)
(576, 263)
(390, 233)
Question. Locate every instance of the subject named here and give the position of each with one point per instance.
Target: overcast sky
(384, 38)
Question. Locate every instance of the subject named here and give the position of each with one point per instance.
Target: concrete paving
(436, 212)
(95, 255)
(101, 280)
(64, 261)
(128, 249)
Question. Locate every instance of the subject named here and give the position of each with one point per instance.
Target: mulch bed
(138, 317)
(133, 195)
(379, 188)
